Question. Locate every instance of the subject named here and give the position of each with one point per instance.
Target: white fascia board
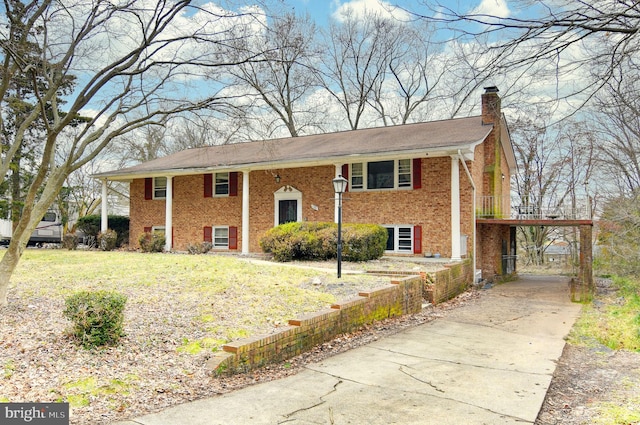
(467, 150)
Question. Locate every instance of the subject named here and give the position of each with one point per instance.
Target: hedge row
(90, 226)
(319, 241)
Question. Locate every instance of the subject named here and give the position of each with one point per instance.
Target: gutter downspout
(473, 186)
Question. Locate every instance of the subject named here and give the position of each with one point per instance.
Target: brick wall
(449, 282)
(490, 240)
(403, 296)
(142, 213)
(191, 212)
(315, 185)
(477, 170)
(505, 190)
(466, 209)
(428, 206)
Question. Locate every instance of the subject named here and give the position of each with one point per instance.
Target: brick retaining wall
(444, 284)
(402, 296)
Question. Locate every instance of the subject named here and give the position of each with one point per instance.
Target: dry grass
(180, 308)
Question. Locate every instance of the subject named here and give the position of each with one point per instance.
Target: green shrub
(97, 317)
(152, 242)
(318, 241)
(70, 241)
(199, 248)
(363, 242)
(294, 240)
(90, 226)
(107, 240)
(120, 224)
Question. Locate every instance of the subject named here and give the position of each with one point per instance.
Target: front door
(287, 211)
(287, 205)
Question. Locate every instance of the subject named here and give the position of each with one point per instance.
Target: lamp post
(339, 187)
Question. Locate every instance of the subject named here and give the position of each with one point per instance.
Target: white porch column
(455, 209)
(245, 212)
(168, 215)
(104, 214)
(336, 198)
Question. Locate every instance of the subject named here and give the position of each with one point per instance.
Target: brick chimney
(490, 106)
(493, 183)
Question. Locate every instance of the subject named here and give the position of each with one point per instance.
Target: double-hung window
(221, 184)
(221, 237)
(357, 173)
(159, 187)
(381, 175)
(404, 173)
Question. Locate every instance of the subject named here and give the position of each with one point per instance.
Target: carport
(497, 247)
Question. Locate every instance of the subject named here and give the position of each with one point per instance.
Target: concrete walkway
(489, 362)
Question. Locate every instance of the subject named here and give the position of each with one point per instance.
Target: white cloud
(123, 32)
(361, 8)
(497, 8)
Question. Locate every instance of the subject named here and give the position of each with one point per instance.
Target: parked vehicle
(49, 230)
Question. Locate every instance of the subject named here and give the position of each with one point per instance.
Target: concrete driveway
(488, 362)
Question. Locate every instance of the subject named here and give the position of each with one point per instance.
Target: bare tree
(81, 195)
(357, 55)
(143, 144)
(378, 69)
(415, 70)
(536, 176)
(617, 119)
(283, 82)
(619, 235)
(138, 62)
(617, 115)
(553, 164)
(194, 131)
(580, 41)
(577, 143)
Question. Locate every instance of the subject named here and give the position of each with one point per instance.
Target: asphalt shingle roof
(432, 137)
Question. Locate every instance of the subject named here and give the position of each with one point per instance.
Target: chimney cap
(491, 89)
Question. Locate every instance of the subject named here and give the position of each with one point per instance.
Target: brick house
(417, 180)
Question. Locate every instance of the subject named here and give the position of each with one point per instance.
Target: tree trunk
(7, 266)
(16, 197)
(32, 213)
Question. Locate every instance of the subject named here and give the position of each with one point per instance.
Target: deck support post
(583, 288)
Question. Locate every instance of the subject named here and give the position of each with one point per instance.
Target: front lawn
(180, 309)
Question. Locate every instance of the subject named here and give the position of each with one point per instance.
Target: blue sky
(322, 10)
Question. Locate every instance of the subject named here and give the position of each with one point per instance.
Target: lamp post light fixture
(339, 187)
